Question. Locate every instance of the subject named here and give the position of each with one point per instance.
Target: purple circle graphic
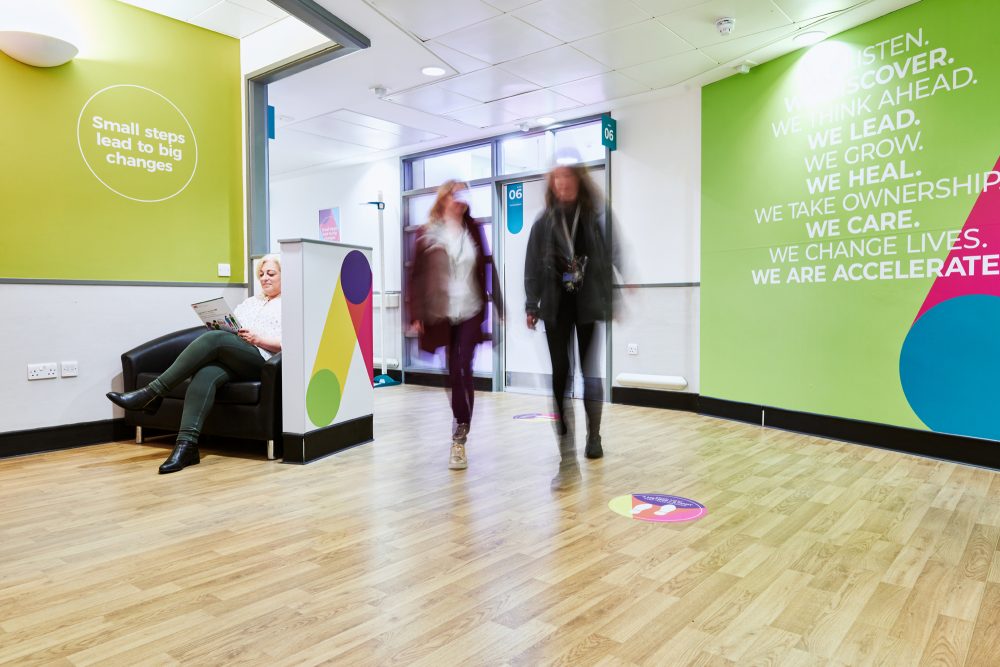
(356, 277)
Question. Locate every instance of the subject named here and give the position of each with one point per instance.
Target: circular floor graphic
(536, 417)
(658, 507)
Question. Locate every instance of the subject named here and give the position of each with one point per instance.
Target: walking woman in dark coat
(567, 281)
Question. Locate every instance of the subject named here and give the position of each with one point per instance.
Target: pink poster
(329, 224)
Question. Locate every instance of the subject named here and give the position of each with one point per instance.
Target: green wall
(67, 213)
(913, 96)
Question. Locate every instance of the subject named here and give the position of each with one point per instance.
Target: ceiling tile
(292, 150)
(485, 115)
(500, 39)
(803, 10)
(262, 7)
(232, 20)
(487, 85)
(432, 99)
(335, 126)
(178, 9)
(575, 19)
(697, 24)
(410, 134)
(736, 49)
(661, 7)
(554, 66)
(509, 5)
(600, 88)
(632, 45)
(667, 72)
(429, 18)
(462, 63)
(537, 103)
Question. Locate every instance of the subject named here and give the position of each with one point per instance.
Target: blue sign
(609, 132)
(270, 122)
(515, 207)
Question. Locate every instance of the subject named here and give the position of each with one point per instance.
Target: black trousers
(559, 335)
(464, 338)
(211, 360)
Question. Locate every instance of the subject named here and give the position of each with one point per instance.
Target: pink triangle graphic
(361, 317)
(985, 217)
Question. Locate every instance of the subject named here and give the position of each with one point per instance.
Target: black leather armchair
(248, 410)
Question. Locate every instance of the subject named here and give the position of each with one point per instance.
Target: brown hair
(586, 194)
(447, 189)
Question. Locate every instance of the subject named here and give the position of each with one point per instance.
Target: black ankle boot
(141, 399)
(594, 449)
(185, 454)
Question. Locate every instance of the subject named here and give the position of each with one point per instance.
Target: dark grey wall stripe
(112, 283)
(645, 285)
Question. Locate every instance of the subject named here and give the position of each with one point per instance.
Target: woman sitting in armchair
(211, 360)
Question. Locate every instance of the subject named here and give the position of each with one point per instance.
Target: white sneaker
(458, 459)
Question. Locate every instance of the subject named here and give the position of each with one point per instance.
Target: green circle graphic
(323, 397)
(137, 143)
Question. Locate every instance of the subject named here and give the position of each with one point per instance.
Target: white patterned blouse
(261, 316)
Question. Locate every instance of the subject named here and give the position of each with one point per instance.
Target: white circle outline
(79, 143)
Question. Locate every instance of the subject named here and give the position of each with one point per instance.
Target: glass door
(526, 358)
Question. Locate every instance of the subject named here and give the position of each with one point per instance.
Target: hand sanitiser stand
(382, 380)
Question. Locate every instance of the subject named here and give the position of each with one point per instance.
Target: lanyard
(571, 237)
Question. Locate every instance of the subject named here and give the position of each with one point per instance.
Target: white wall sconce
(36, 49)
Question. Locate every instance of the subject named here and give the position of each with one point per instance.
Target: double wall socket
(43, 371)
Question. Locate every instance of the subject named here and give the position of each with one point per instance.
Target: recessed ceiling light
(809, 38)
(433, 71)
(546, 120)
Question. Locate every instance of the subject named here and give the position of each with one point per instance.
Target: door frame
(500, 261)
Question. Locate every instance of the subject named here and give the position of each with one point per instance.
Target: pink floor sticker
(536, 417)
(658, 508)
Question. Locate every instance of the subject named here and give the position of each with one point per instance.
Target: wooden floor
(813, 552)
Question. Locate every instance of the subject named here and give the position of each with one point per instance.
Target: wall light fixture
(36, 49)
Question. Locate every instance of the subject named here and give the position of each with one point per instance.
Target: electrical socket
(43, 371)
(224, 271)
(69, 369)
(633, 348)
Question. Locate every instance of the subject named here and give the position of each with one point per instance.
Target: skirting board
(652, 398)
(441, 380)
(322, 442)
(957, 448)
(53, 438)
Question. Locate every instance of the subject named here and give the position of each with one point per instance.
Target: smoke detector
(744, 67)
(378, 91)
(725, 25)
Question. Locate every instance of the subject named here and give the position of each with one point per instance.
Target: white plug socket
(43, 371)
(224, 271)
(633, 348)
(69, 369)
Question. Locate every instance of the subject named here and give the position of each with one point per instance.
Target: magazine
(216, 314)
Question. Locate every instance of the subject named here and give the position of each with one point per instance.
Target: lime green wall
(59, 220)
(833, 347)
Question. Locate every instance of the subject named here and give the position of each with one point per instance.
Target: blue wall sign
(270, 122)
(515, 207)
(609, 132)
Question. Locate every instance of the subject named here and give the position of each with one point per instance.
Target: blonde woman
(448, 300)
(211, 360)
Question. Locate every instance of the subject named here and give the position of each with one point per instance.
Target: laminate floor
(813, 552)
